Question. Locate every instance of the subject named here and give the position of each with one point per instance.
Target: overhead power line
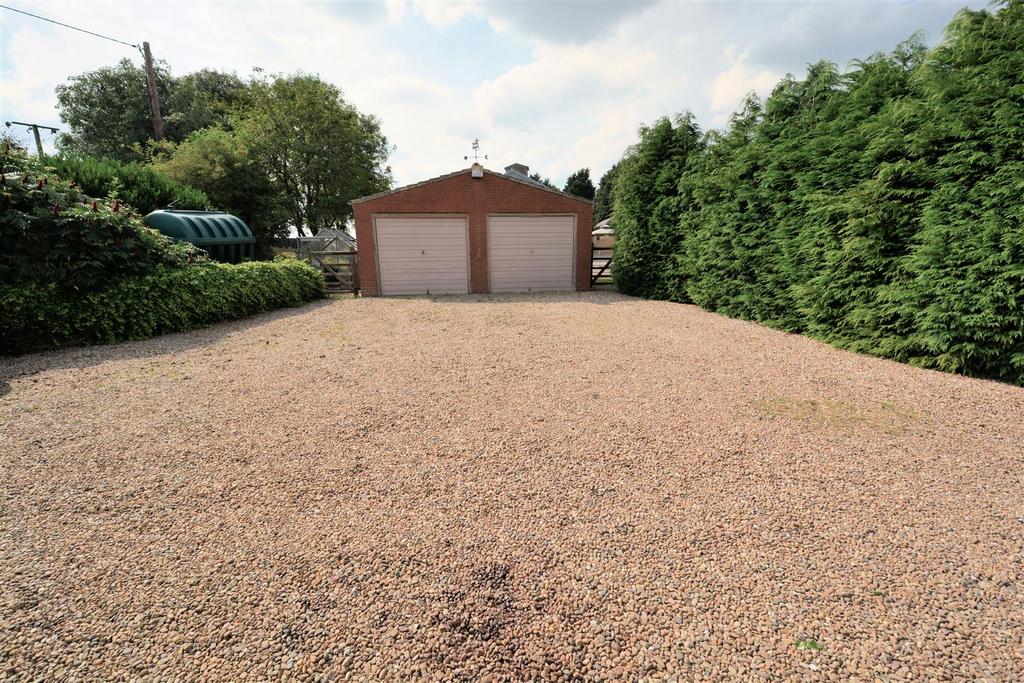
(147, 55)
(73, 28)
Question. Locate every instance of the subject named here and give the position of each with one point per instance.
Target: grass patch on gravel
(884, 416)
(335, 331)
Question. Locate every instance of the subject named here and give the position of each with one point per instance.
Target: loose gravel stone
(503, 488)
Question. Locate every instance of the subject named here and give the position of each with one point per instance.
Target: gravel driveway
(556, 487)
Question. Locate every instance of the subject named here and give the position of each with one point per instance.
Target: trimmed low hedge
(37, 317)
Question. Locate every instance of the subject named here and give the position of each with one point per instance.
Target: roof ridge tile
(403, 188)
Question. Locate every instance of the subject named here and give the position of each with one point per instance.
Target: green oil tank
(224, 237)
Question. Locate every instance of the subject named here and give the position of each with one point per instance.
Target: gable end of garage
(476, 199)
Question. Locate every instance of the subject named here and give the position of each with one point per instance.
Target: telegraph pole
(35, 132)
(39, 142)
(154, 97)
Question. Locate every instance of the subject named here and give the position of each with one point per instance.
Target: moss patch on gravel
(885, 416)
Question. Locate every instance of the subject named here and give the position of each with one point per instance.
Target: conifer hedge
(879, 210)
(139, 186)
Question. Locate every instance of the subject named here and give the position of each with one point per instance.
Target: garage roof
(511, 179)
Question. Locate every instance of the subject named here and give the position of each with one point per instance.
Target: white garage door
(531, 253)
(422, 256)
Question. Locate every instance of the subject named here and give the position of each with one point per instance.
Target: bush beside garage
(82, 270)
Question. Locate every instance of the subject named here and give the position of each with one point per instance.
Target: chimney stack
(518, 169)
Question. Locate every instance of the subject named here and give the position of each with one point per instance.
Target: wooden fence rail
(600, 265)
(340, 269)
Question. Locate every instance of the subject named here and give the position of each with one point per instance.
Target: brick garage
(515, 234)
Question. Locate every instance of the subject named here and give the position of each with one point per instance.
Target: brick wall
(475, 198)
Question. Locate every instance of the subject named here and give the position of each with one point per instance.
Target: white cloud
(556, 85)
(572, 106)
(396, 10)
(561, 21)
(444, 14)
(729, 87)
(277, 37)
(558, 78)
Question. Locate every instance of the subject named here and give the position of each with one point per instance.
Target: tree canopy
(579, 185)
(279, 151)
(647, 203)
(200, 100)
(604, 196)
(317, 149)
(107, 110)
(546, 182)
(221, 164)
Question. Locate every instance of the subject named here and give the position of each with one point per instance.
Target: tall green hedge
(137, 185)
(36, 317)
(878, 209)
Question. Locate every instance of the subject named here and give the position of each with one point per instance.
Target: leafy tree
(199, 100)
(579, 185)
(318, 150)
(967, 264)
(272, 150)
(604, 196)
(543, 181)
(876, 211)
(725, 213)
(107, 110)
(221, 164)
(798, 180)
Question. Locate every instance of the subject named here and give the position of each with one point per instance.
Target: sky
(554, 85)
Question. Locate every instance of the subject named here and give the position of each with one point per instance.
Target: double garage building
(473, 231)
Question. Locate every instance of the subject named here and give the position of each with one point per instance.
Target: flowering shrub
(54, 234)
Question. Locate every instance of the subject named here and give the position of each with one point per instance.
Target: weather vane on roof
(476, 152)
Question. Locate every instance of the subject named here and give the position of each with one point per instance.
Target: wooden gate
(332, 252)
(600, 265)
(341, 270)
